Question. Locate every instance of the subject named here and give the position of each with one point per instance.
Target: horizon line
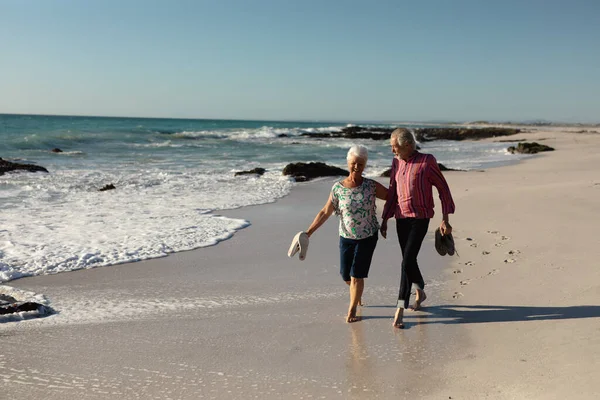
(429, 121)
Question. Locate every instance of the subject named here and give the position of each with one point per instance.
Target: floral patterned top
(356, 208)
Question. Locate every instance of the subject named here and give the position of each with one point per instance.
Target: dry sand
(517, 316)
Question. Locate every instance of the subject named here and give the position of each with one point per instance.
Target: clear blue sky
(310, 60)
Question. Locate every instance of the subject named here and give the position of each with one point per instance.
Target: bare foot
(421, 297)
(352, 317)
(398, 319)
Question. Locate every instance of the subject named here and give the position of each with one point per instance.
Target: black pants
(411, 232)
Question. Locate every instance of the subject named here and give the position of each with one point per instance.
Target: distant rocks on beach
(7, 166)
(529, 148)
(302, 172)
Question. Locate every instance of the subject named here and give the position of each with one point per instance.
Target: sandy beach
(516, 316)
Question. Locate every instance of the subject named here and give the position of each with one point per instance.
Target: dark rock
(355, 132)
(529, 148)
(307, 171)
(386, 173)
(110, 186)
(282, 135)
(56, 150)
(429, 134)
(257, 171)
(7, 166)
(6, 299)
(20, 307)
(421, 134)
(444, 168)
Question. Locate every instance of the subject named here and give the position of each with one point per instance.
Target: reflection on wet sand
(361, 375)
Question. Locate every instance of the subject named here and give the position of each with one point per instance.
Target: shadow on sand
(466, 314)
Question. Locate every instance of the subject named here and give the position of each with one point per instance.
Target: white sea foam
(62, 223)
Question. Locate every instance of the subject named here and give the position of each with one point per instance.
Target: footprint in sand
(469, 263)
(456, 295)
(505, 237)
(457, 271)
(485, 253)
(499, 244)
(493, 272)
(473, 244)
(464, 283)
(510, 260)
(513, 252)
(493, 232)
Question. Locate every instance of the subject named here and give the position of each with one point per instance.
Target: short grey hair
(403, 135)
(358, 151)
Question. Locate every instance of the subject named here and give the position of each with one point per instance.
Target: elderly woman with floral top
(353, 200)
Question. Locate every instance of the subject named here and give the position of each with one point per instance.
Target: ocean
(172, 177)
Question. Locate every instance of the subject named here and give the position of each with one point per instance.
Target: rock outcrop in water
(110, 186)
(7, 166)
(355, 132)
(307, 171)
(529, 148)
(459, 133)
(255, 171)
(421, 134)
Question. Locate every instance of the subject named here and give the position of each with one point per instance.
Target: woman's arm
(391, 202)
(321, 217)
(381, 191)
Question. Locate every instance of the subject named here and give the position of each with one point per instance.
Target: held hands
(445, 228)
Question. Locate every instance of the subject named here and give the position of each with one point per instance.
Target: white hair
(403, 135)
(358, 151)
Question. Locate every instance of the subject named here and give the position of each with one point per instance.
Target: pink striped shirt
(410, 194)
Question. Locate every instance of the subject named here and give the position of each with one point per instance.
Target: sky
(446, 60)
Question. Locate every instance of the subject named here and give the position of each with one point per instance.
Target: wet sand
(516, 316)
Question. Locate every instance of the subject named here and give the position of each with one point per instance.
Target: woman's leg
(357, 286)
(360, 298)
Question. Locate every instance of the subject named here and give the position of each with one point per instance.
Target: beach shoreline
(240, 319)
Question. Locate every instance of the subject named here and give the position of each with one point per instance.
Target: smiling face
(356, 166)
(401, 151)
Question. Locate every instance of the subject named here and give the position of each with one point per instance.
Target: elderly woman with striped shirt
(410, 201)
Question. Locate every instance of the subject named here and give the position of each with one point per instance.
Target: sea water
(172, 177)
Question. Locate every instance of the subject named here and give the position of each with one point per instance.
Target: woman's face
(356, 166)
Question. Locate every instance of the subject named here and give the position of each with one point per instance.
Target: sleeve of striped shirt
(389, 209)
(437, 179)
